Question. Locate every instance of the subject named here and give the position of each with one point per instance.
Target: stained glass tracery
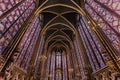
(106, 19)
(13, 21)
(112, 4)
(92, 45)
(59, 65)
(5, 5)
(27, 44)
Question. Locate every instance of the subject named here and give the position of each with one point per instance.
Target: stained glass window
(27, 44)
(59, 66)
(37, 61)
(6, 5)
(106, 14)
(92, 45)
(13, 21)
(51, 74)
(64, 62)
(80, 64)
(112, 4)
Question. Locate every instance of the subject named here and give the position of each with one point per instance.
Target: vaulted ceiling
(59, 22)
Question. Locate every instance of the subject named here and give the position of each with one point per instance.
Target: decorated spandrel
(109, 23)
(13, 21)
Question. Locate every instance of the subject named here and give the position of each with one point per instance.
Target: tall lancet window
(58, 65)
(106, 13)
(13, 13)
(28, 42)
(92, 45)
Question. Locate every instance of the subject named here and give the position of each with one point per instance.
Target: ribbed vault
(59, 30)
(59, 22)
(59, 40)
